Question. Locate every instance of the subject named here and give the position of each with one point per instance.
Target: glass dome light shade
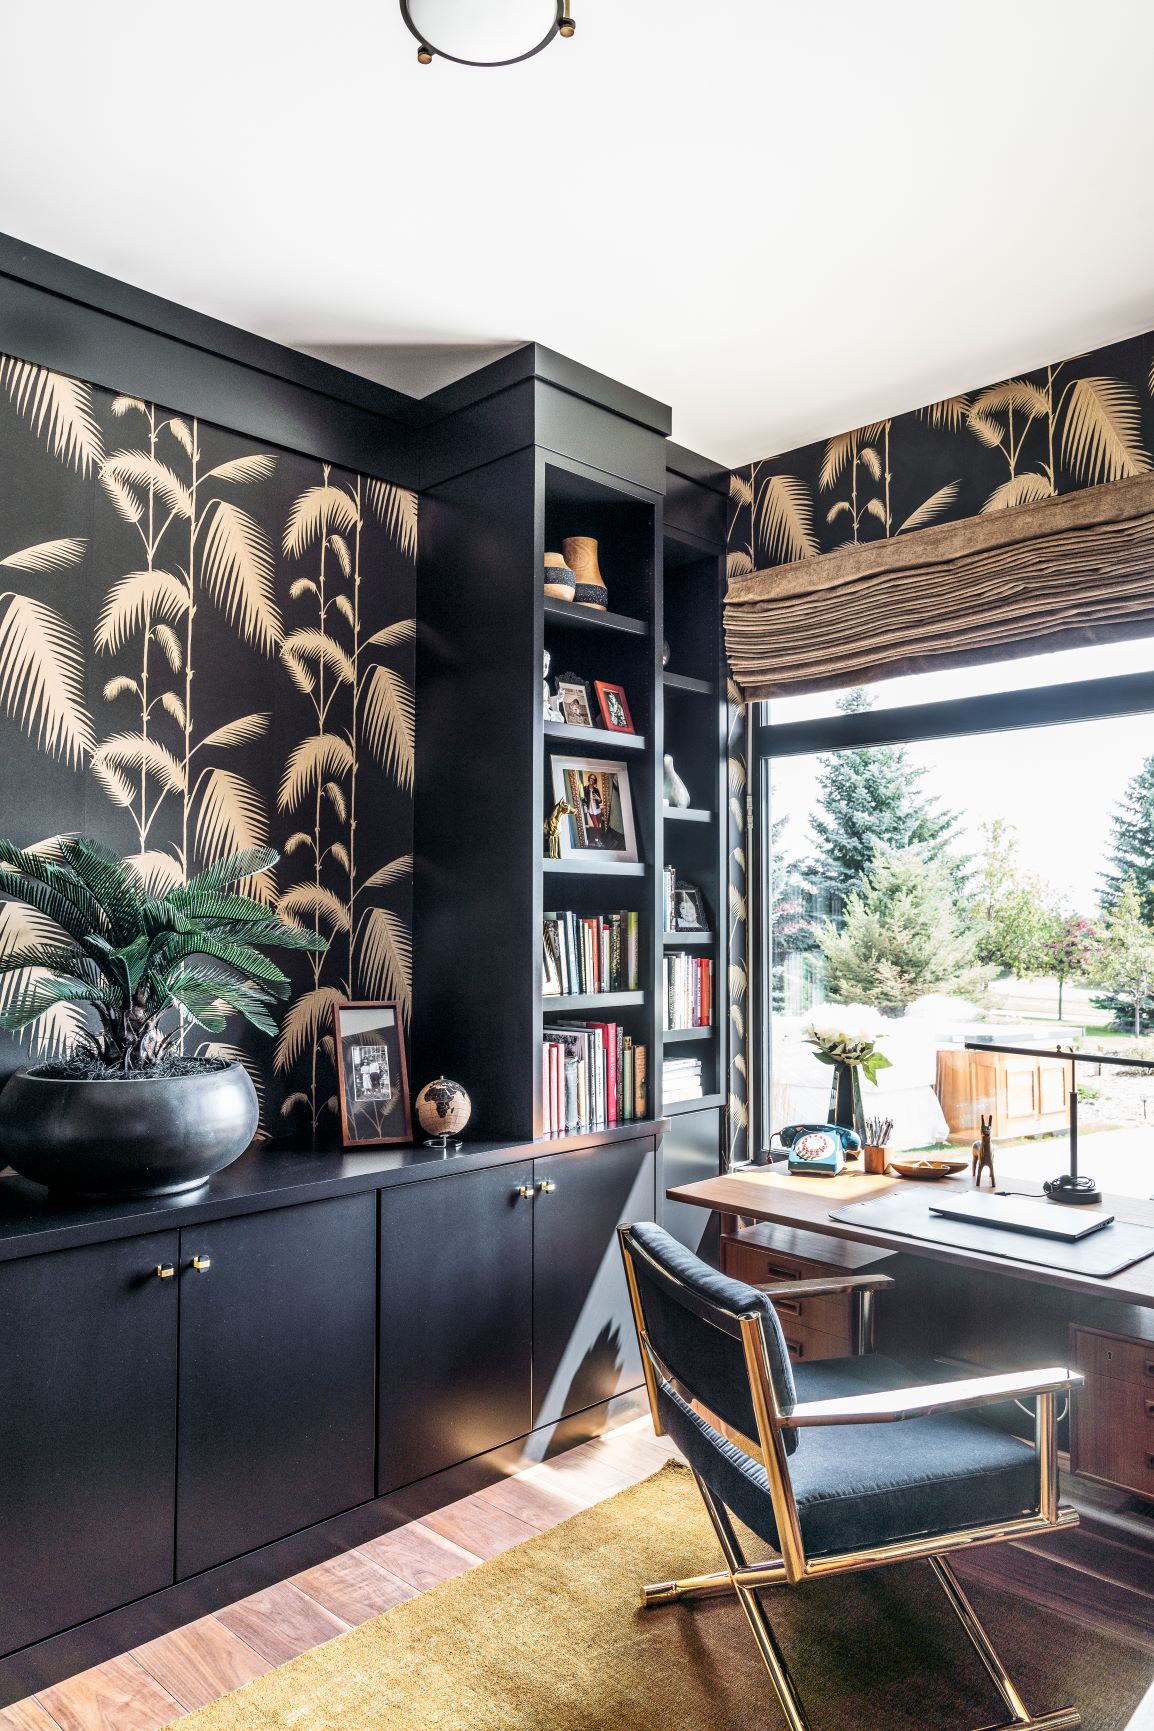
(483, 32)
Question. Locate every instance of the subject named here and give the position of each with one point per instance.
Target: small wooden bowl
(927, 1169)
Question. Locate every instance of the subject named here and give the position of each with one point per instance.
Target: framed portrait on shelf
(573, 696)
(688, 909)
(603, 826)
(614, 707)
(372, 1080)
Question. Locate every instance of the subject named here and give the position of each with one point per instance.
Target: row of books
(592, 1076)
(681, 1080)
(688, 998)
(590, 954)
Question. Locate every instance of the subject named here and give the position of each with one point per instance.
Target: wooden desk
(764, 1194)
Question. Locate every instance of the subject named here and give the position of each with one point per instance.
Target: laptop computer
(1021, 1214)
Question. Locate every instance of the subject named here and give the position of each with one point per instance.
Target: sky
(1056, 785)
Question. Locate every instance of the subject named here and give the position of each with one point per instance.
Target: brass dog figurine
(983, 1153)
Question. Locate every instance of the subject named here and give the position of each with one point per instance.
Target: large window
(976, 869)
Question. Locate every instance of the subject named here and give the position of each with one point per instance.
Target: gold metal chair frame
(746, 1579)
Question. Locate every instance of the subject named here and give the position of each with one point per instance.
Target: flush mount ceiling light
(485, 32)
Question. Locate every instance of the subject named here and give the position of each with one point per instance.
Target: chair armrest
(828, 1287)
(889, 1405)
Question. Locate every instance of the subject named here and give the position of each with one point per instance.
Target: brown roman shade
(1062, 573)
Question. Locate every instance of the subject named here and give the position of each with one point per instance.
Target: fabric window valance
(1066, 572)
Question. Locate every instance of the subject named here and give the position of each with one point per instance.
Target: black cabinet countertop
(34, 1220)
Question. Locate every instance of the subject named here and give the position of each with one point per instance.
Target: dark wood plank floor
(1096, 1576)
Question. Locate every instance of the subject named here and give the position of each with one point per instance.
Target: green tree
(900, 935)
(871, 798)
(1020, 920)
(1073, 952)
(1131, 847)
(1125, 962)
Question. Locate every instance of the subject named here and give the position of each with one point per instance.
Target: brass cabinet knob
(546, 1186)
(202, 1264)
(525, 1191)
(164, 1271)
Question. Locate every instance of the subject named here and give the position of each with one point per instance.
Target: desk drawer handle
(1150, 1367)
(1150, 1461)
(789, 1306)
(795, 1348)
(1150, 1409)
(772, 1273)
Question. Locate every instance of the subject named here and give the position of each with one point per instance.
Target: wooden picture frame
(372, 1075)
(573, 696)
(614, 706)
(604, 826)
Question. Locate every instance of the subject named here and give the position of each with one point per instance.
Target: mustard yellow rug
(550, 1637)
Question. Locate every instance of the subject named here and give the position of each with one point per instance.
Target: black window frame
(1052, 705)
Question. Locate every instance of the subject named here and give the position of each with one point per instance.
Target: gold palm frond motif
(840, 450)
(171, 645)
(738, 563)
(242, 470)
(23, 929)
(173, 704)
(157, 871)
(239, 732)
(307, 645)
(737, 981)
(741, 488)
(386, 958)
(123, 405)
(738, 1113)
(142, 595)
(142, 470)
(872, 461)
(785, 518)
(47, 555)
(303, 1020)
(390, 723)
(949, 413)
(335, 794)
(397, 508)
(314, 899)
(312, 515)
(231, 817)
(736, 774)
(138, 751)
(930, 508)
(238, 570)
(118, 788)
(393, 873)
(403, 631)
(57, 406)
(1024, 489)
(1017, 394)
(320, 755)
(42, 678)
(1102, 432)
(121, 686)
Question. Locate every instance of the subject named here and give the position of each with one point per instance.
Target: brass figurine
(983, 1153)
(553, 824)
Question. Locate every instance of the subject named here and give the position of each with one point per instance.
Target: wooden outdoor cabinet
(88, 1357)
(1025, 1096)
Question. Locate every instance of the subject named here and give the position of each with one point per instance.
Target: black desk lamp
(1069, 1187)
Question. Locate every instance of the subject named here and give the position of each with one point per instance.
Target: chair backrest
(691, 1316)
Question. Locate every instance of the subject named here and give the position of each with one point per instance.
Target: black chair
(808, 1458)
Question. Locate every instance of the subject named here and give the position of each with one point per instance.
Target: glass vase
(845, 1107)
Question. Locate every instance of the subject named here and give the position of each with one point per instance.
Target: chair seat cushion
(867, 1484)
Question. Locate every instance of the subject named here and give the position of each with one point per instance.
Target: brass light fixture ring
(563, 25)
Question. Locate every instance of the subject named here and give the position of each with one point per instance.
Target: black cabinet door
(277, 1363)
(690, 1152)
(456, 1319)
(584, 1344)
(87, 1433)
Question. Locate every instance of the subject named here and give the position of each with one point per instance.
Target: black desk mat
(1104, 1253)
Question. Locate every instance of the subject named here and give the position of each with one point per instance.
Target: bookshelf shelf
(591, 1001)
(686, 682)
(608, 868)
(703, 1103)
(600, 737)
(686, 940)
(686, 814)
(575, 618)
(679, 1034)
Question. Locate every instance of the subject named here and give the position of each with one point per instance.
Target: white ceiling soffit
(782, 218)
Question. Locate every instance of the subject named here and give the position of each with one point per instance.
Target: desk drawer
(1113, 1357)
(1112, 1433)
(813, 1327)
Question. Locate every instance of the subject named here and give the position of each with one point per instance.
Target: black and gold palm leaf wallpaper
(1077, 423)
(1074, 424)
(208, 645)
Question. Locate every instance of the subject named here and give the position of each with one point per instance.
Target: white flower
(842, 1025)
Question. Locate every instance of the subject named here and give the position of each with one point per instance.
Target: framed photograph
(603, 824)
(614, 707)
(573, 696)
(688, 909)
(372, 1081)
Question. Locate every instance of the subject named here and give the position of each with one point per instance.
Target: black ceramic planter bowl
(152, 1136)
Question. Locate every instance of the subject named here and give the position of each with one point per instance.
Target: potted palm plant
(127, 1113)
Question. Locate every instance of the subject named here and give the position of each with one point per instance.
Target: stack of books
(589, 954)
(592, 1076)
(681, 1080)
(688, 998)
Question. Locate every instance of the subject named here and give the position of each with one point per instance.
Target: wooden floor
(1091, 1575)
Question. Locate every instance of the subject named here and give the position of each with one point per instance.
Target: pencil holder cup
(875, 1159)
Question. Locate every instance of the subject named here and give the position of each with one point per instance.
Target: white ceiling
(783, 217)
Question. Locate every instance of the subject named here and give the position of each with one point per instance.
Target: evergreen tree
(1131, 846)
(1125, 960)
(1019, 916)
(900, 935)
(871, 798)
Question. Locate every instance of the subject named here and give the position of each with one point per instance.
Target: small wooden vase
(560, 583)
(581, 557)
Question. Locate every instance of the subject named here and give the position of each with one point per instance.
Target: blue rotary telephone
(818, 1150)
